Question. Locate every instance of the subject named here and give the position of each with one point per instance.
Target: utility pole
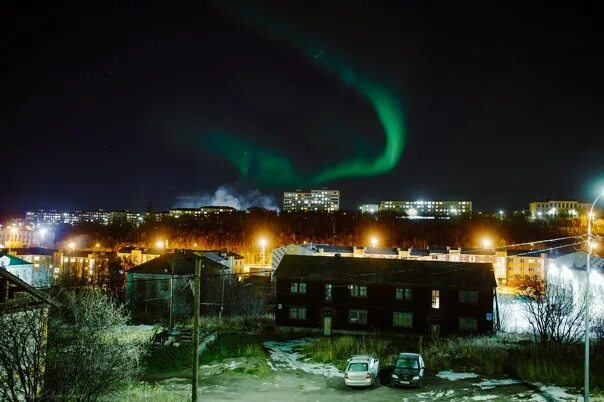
(196, 308)
(221, 298)
(171, 291)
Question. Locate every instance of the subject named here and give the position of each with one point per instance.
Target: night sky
(117, 106)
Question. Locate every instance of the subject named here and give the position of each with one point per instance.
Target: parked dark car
(408, 370)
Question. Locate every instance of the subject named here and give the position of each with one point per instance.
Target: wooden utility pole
(196, 307)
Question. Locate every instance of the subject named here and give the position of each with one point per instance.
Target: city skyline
(165, 102)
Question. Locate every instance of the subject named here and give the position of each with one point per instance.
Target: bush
(337, 350)
(233, 346)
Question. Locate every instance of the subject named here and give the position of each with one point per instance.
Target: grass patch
(233, 346)
(167, 359)
(336, 350)
(243, 325)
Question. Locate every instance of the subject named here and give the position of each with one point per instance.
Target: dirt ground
(289, 377)
(299, 386)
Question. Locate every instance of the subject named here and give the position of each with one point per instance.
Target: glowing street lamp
(487, 243)
(71, 246)
(159, 244)
(587, 299)
(374, 242)
(262, 243)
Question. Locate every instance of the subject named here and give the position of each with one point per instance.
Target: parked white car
(362, 371)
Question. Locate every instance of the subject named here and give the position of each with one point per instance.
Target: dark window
(404, 320)
(298, 287)
(297, 313)
(357, 316)
(468, 324)
(328, 289)
(358, 291)
(403, 294)
(468, 296)
(165, 285)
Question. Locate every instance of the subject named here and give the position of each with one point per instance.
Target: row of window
(399, 319)
(465, 296)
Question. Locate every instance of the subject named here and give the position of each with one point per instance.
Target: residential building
(44, 263)
(427, 209)
(232, 261)
(162, 287)
(216, 210)
(323, 200)
(345, 294)
(133, 256)
(190, 212)
(327, 250)
(369, 208)
(18, 267)
(550, 209)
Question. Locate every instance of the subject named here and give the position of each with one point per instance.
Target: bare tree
(87, 357)
(22, 351)
(553, 312)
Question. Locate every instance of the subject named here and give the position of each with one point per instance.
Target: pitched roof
(14, 260)
(33, 251)
(183, 263)
(381, 270)
(24, 286)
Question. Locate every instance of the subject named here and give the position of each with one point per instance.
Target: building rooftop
(380, 270)
(183, 263)
(12, 260)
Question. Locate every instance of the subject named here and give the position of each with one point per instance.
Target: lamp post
(374, 242)
(262, 249)
(587, 301)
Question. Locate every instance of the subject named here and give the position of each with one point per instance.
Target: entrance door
(327, 325)
(435, 330)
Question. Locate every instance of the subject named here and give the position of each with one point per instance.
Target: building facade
(551, 209)
(346, 294)
(419, 209)
(323, 200)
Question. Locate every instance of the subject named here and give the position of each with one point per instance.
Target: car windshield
(407, 363)
(357, 367)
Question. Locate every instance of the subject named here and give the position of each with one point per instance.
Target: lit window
(403, 320)
(358, 291)
(403, 294)
(328, 290)
(357, 316)
(298, 287)
(297, 313)
(436, 299)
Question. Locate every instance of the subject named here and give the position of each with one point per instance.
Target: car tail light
(367, 375)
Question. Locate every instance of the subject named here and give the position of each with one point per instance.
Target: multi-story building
(22, 235)
(422, 209)
(43, 262)
(216, 210)
(18, 267)
(178, 212)
(323, 200)
(367, 294)
(550, 209)
(369, 208)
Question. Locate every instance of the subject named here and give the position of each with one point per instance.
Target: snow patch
(284, 355)
(557, 393)
(453, 376)
(489, 384)
(483, 397)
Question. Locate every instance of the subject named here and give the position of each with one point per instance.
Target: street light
(590, 217)
(159, 244)
(374, 242)
(262, 249)
(71, 245)
(487, 243)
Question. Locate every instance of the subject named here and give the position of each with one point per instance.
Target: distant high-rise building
(323, 200)
(427, 208)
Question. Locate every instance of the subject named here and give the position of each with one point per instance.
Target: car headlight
(415, 378)
(394, 376)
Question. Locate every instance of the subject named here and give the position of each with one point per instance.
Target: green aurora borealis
(269, 168)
